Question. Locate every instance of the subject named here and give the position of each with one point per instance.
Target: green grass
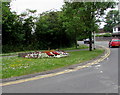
(78, 47)
(17, 66)
(15, 53)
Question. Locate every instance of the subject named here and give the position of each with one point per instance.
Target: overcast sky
(20, 6)
(39, 5)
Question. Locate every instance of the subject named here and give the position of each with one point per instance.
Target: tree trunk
(90, 39)
(76, 43)
(76, 38)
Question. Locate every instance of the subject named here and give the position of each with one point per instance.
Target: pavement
(55, 72)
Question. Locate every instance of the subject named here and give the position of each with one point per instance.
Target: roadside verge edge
(67, 70)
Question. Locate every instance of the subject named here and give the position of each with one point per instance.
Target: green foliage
(81, 17)
(28, 20)
(12, 33)
(17, 29)
(112, 19)
(9, 24)
(51, 29)
(105, 35)
(50, 32)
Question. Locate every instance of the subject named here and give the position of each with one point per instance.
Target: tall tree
(16, 29)
(50, 31)
(87, 13)
(7, 18)
(72, 20)
(112, 19)
(28, 19)
(11, 26)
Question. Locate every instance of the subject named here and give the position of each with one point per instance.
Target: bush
(17, 48)
(107, 35)
(104, 35)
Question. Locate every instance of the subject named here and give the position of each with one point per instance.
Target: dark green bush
(104, 35)
(107, 35)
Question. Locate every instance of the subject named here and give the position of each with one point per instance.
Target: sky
(20, 6)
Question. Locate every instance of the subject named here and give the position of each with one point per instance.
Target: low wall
(104, 38)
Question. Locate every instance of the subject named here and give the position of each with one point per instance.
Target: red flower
(54, 52)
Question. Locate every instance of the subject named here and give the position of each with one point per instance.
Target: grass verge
(16, 53)
(17, 66)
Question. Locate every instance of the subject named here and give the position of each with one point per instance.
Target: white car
(87, 41)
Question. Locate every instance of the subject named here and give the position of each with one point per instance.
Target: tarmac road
(99, 78)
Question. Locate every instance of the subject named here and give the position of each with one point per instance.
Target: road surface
(99, 78)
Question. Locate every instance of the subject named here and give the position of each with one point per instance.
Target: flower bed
(44, 54)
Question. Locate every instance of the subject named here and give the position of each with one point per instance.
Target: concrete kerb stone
(67, 69)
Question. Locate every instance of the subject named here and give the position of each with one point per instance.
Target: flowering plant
(50, 53)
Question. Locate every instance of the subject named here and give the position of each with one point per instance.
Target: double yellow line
(62, 72)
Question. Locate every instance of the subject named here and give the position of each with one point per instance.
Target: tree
(72, 20)
(112, 19)
(28, 19)
(50, 32)
(11, 26)
(46, 29)
(16, 29)
(7, 18)
(84, 14)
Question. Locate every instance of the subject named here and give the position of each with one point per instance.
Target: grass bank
(16, 53)
(17, 66)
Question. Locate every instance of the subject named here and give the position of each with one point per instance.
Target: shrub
(105, 35)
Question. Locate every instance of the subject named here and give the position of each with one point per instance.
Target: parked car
(114, 42)
(87, 41)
